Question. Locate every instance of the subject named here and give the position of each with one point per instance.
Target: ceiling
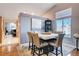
(11, 10)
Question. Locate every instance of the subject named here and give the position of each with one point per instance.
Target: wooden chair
(58, 32)
(30, 39)
(57, 44)
(38, 45)
(76, 36)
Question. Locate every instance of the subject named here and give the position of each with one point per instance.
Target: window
(64, 13)
(63, 21)
(36, 24)
(59, 25)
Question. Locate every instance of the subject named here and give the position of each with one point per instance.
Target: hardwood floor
(11, 50)
(74, 53)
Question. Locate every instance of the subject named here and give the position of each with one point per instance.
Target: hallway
(9, 39)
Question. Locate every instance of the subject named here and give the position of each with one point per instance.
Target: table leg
(77, 44)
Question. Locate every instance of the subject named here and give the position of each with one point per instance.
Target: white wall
(25, 26)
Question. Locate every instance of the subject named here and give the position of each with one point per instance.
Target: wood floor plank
(74, 53)
(11, 50)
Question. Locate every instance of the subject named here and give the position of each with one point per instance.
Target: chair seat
(43, 44)
(76, 35)
(53, 43)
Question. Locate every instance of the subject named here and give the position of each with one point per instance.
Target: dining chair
(76, 36)
(38, 46)
(58, 32)
(58, 43)
(30, 39)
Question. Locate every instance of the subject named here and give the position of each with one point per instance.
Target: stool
(76, 36)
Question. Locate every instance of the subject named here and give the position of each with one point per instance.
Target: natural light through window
(63, 21)
(36, 24)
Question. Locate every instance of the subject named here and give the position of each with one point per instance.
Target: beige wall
(62, 6)
(58, 7)
(74, 18)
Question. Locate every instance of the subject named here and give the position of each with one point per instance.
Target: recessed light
(33, 13)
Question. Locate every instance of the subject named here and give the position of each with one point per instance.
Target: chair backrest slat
(30, 36)
(36, 40)
(59, 40)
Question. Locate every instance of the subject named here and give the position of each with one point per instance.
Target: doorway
(10, 29)
(10, 33)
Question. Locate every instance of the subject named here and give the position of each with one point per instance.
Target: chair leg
(29, 46)
(33, 51)
(39, 53)
(56, 51)
(47, 54)
(77, 44)
(61, 51)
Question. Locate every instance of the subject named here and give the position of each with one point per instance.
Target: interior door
(17, 28)
(1, 29)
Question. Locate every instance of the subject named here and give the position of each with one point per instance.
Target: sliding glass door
(59, 25)
(64, 25)
(67, 27)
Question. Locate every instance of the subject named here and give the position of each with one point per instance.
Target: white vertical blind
(36, 24)
(63, 21)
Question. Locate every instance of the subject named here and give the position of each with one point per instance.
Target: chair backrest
(36, 40)
(59, 40)
(58, 32)
(30, 36)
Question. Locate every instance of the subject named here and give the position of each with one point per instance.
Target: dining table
(48, 38)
